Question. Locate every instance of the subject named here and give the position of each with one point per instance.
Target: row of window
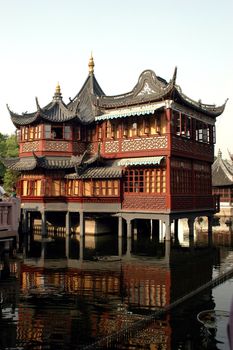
(136, 181)
(145, 181)
(135, 127)
(182, 125)
(188, 127)
(74, 188)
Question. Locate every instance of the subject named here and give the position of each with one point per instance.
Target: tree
(8, 149)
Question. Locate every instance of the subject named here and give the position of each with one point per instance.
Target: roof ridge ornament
(57, 95)
(91, 65)
(219, 153)
(174, 75)
(37, 105)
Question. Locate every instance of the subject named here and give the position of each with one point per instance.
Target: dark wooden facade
(146, 151)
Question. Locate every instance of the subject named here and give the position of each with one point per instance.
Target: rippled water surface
(109, 300)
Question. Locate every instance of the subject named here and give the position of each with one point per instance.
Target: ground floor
(93, 219)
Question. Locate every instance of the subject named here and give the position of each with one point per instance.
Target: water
(102, 299)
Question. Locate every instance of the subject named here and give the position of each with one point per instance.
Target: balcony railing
(9, 217)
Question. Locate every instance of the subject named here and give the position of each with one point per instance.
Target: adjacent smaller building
(222, 182)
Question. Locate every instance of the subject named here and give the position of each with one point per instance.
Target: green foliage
(10, 180)
(8, 149)
(12, 148)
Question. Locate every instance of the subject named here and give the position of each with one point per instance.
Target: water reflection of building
(103, 297)
(9, 303)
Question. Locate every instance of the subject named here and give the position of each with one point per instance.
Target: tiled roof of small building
(97, 173)
(222, 172)
(31, 163)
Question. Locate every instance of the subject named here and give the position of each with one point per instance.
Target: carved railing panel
(149, 203)
(9, 215)
(136, 144)
(144, 144)
(60, 146)
(30, 146)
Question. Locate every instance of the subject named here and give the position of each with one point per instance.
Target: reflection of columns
(120, 235)
(82, 234)
(129, 246)
(210, 231)
(119, 246)
(43, 224)
(42, 254)
(6, 260)
(67, 243)
(81, 246)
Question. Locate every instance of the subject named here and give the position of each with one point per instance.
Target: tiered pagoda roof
(34, 162)
(222, 172)
(150, 93)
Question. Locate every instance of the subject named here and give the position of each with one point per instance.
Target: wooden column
(120, 235)
(129, 237)
(129, 228)
(161, 230)
(81, 224)
(168, 230)
(120, 226)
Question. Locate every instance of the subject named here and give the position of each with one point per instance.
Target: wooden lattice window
(145, 181)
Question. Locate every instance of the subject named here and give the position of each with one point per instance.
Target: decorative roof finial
(91, 64)
(58, 89)
(219, 153)
(57, 94)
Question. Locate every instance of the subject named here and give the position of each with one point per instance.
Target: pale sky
(43, 42)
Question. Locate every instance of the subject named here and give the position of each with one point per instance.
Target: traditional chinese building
(144, 154)
(222, 174)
